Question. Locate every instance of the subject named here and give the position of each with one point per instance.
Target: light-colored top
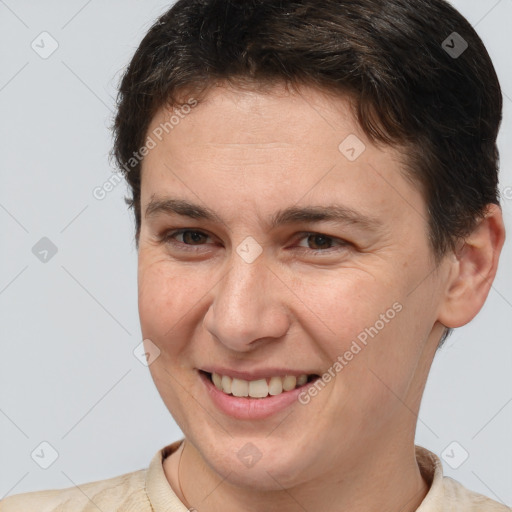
(148, 490)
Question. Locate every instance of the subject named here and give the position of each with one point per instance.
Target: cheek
(157, 302)
(166, 294)
(380, 376)
(347, 307)
(373, 337)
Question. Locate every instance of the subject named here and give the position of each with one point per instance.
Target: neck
(385, 480)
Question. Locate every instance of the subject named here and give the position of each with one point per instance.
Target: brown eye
(193, 237)
(185, 237)
(319, 242)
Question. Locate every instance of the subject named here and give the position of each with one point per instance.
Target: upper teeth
(257, 388)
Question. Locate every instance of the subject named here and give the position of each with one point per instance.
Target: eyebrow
(291, 215)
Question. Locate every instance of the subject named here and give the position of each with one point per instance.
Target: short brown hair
(392, 56)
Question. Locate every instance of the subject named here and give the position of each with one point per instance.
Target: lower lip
(246, 408)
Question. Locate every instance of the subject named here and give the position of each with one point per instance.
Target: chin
(256, 463)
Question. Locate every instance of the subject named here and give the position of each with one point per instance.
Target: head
(250, 124)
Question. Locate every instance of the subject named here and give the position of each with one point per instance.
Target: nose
(248, 307)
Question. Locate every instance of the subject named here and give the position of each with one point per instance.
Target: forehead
(274, 148)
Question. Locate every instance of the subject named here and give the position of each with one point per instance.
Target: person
(314, 186)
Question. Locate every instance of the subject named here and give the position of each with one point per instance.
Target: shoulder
(448, 495)
(462, 499)
(124, 493)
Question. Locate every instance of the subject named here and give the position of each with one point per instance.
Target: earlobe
(474, 267)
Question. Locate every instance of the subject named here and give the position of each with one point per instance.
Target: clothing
(148, 490)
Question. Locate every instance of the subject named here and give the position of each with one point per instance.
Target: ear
(473, 268)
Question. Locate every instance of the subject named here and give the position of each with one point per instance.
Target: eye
(189, 237)
(319, 242)
(191, 240)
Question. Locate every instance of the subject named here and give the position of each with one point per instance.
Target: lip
(243, 408)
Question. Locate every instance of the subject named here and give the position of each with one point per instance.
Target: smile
(260, 395)
(235, 397)
(260, 388)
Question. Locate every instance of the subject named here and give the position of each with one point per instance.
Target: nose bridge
(246, 306)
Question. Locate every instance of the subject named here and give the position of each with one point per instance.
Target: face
(272, 244)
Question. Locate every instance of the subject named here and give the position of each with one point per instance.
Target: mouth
(263, 388)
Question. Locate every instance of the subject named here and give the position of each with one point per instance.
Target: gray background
(68, 375)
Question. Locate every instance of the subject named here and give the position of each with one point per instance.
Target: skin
(246, 155)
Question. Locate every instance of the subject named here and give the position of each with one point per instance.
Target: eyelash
(168, 237)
